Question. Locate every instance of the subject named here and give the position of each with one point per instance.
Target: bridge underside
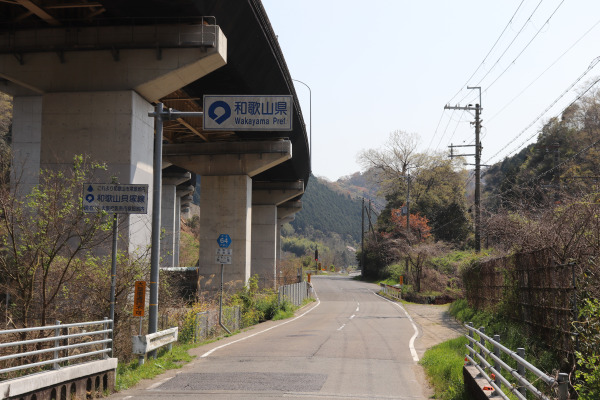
(86, 74)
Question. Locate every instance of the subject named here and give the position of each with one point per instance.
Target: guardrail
(391, 291)
(479, 351)
(295, 293)
(56, 347)
(143, 344)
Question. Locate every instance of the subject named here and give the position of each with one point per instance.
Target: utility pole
(406, 268)
(362, 238)
(477, 155)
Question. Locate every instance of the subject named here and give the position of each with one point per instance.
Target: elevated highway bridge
(85, 74)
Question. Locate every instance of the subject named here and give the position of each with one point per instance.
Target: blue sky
(382, 65)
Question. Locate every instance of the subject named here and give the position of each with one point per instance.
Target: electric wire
(592, 65)
(524, 48)
(507, 48)
(489, 52)
(546, 70)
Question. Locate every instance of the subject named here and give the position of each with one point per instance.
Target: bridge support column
(226, 201)
(266, 196)
(225, 204)
(170, 215)
(110, 127)
(285, 213)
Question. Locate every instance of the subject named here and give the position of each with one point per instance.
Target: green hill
(327, 210)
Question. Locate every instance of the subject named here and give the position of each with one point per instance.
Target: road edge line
(208, 353)
(411, 343)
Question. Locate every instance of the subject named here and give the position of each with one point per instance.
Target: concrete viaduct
(85, 74)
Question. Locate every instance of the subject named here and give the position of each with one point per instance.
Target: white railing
(105, 331)
(391, 291)
(143, 344)
(478, 354)
(295, 293)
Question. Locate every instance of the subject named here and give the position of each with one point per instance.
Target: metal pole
(113, 275)
(155, 251)
(362, 237)
(477, 180)
(310, 125)
(221, 303)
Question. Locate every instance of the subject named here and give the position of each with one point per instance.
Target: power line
(546, 70)
(489, 52)
(590, 67)
(507, 48)
(526, 46)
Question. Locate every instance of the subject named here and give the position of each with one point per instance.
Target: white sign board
(113, 198)
(224, 252)
(247, 113)
(223, 259)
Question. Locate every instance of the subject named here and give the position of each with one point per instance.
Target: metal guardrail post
(105, 326)
(471, 335)
(482, 341)
(497, 364)
(563, 386)
(521, 370)
(56, 344)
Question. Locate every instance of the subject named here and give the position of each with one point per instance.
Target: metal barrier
(295, 293)
(55, 344)
(391, 291)
(143, 344)
(497, 380)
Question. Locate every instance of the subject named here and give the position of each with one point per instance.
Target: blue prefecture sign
(247, 113)
(224, 240)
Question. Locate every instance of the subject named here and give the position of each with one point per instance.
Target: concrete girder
(154, 60)
(275, 193)
(228, 158)
(288, 208)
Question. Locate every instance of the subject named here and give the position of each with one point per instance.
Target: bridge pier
(266, 196)
(226, 201)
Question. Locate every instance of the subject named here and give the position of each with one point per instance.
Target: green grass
(131, 373)
(443, 364)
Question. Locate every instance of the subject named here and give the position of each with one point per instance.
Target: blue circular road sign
(224, 240)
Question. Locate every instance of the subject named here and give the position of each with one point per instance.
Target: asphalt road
(351, 344)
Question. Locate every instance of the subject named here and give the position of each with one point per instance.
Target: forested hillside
(327, 210)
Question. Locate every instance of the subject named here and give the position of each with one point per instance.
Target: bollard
(563, 386)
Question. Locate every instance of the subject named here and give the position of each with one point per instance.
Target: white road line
(208, 353)
(357, 307)
(341, 327)
(411, 343)
(158, 384)
(352, 316)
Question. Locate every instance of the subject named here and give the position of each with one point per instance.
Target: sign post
(224, 254)
(118, 199)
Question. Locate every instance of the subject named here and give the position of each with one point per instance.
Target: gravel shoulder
(435, 325)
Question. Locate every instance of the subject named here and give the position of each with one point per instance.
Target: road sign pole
(221, 303)
(155, 250)
(113, 275)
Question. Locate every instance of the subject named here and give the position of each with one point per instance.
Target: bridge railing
(479, 355)
(58, 343)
